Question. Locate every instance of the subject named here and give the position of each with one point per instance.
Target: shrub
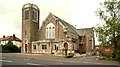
(9, 47)
(116, 54)
(70, 55)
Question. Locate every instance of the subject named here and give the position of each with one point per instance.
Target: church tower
(30, 26)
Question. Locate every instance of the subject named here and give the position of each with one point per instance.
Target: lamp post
(51, 40)
(65, 32)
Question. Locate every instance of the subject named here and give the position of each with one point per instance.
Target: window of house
(50, 31)
(26, 14)
(34, 46)
(44, 46)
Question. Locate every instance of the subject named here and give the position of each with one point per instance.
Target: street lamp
(51, 40)
(65, 32)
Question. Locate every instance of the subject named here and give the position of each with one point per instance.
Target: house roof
(13, 38)
(70, 28)
(85, 31)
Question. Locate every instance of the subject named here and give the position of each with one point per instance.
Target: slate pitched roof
(70, 28)
(85, 31)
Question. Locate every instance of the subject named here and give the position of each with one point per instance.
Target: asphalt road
(9, 60)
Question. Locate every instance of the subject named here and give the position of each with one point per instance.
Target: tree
(9, 47)
(110, 30)
(1, 48)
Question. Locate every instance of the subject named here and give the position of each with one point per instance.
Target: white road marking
(59, 63)
(25, 59)
(6, 61)
(33, 64)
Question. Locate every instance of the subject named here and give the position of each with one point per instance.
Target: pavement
(89, 60)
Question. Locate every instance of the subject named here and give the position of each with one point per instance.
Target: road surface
(10, 60)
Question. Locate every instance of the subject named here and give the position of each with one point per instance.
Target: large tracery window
(50, 31)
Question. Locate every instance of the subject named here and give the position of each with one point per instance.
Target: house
(16, 41)
(54, 35)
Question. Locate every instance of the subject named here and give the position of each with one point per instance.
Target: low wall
(108, 51)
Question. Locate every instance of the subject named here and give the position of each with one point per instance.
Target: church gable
(49, 22)
(50, 19)
(58, 23)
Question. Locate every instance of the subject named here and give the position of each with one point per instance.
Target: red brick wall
(106, 50)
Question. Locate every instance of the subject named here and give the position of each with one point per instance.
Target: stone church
(54, 35)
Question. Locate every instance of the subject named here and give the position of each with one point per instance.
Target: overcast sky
(75, 12)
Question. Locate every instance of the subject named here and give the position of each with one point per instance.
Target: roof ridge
(66, 24)
(10, 38)
(62, 20)
(84, 28)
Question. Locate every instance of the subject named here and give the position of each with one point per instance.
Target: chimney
(3, 36)
(75, 26)
(13, 36)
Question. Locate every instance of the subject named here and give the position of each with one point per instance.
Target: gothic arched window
(50, 31)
